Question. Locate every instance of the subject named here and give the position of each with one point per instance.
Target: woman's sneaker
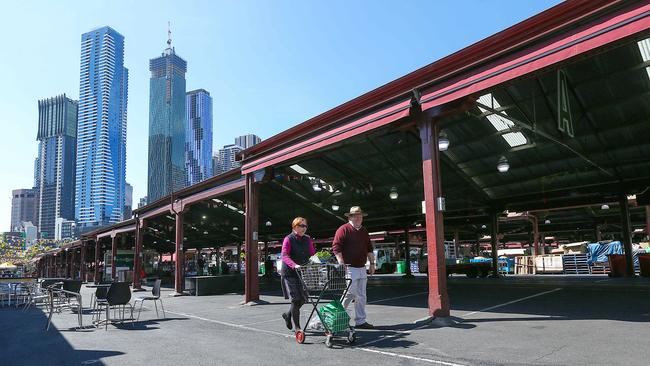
(287, 320)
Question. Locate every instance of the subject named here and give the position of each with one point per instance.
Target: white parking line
(391, 354)
(398, 297)
(512, 302)
(266, 321)
(397, 334)
(605, 280)
(427, 360)
(233, 325)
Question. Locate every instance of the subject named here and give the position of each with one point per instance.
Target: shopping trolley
(327, 284)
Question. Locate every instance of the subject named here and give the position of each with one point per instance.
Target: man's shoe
(287, 320)
(365, 325)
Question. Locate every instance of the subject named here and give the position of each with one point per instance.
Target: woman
(296, 250)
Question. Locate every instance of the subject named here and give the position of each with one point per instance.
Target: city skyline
(226, 60)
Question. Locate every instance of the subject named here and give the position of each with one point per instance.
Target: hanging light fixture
(483, 227)
(547, 221)
(235, 228)
(443, 141)
(316, 186)
(502, 165)
(268, 223)
(604, 207)
(393, 193)
(204, 217)
(335, 207)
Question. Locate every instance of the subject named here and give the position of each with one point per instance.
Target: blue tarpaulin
(599, 252)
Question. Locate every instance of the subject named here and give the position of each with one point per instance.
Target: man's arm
(371, 257)
(336, 246)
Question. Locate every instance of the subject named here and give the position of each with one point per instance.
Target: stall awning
(625, 23)
(341, 133)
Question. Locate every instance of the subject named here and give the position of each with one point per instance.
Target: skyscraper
(198, 136)
(57, 136)
(247, 141)
(166, 124)
(128, 201)
(227, 160)
(24, 208)
(101, 130)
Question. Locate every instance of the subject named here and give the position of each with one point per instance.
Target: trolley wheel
(328, 341)
(300, 337)
(352, 336)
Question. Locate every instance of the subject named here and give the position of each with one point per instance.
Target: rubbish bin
(617, 265)
(401, 266)
(644, 264)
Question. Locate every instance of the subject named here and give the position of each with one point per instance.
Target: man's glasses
(303, 226)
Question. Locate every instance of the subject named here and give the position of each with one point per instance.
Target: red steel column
(73, 257)
(251, 279)
(180, 257)
(494, 231)
(407, 253)
(98, 250)
(626, 227)
(647, 220)
(113, 256)
(438, 297)
(82, 270)
(137, 253)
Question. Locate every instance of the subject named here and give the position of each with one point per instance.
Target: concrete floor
(542, 320)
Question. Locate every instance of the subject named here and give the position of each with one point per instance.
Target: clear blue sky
(267, 64)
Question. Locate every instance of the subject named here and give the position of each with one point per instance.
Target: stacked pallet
(575, 264)
(549, 264)
(524, 265)
(599, 268)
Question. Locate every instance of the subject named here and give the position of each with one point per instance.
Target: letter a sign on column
(564, 122)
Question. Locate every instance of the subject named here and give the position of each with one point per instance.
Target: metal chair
(155, 297)
(99, 295)
(55, 291)
(119, 294)
(36, 296)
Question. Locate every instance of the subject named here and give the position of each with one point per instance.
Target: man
(352, 246)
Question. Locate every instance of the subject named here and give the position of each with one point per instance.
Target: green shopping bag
(334, 316)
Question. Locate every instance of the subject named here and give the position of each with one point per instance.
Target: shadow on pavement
(25, 342)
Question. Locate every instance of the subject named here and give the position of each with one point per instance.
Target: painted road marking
(391, 354)
(398, 297)
(512, 302)
(427, 360)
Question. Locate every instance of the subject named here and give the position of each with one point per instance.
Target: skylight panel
(498, 122)
(644, 47)
(515, 139)
(299, 169)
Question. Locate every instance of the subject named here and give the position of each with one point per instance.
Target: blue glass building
(166, 172)
(101, 130)
(198, 136)
(57, 136)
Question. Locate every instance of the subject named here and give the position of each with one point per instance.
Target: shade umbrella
(7, 265)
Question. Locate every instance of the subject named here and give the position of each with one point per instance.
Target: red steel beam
(553, 20)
